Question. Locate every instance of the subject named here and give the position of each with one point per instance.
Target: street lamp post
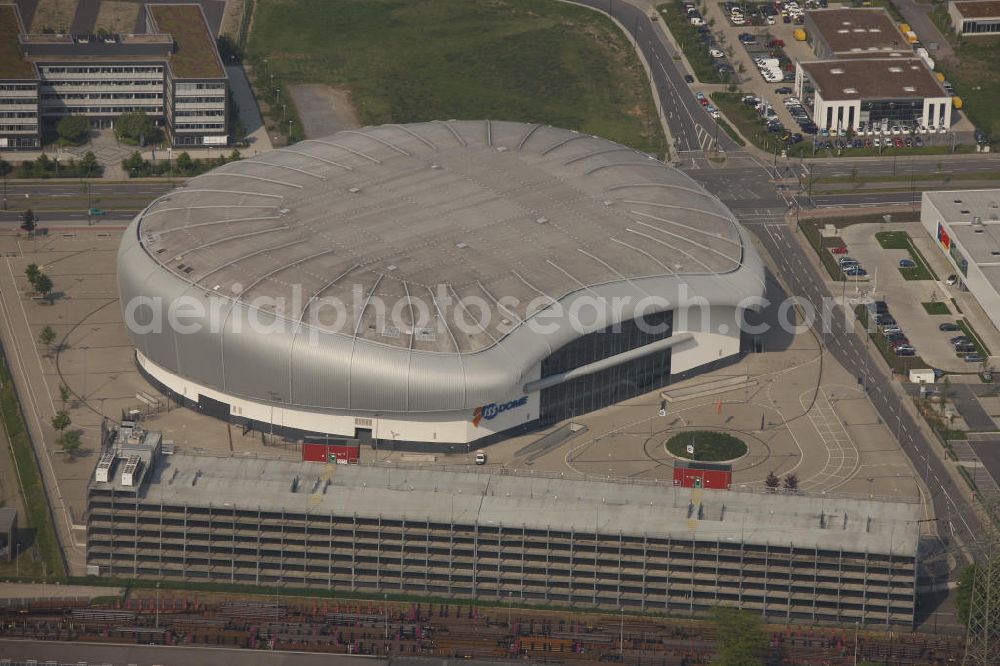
(289, 130)
(283, 113)
(621, 634)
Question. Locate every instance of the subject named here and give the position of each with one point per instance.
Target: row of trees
(772, 482)
(39, 281)
(68, 440)
(46, 167)
(135, 166)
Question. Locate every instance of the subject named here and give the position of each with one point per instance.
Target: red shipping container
(341, 453)
(690, 474)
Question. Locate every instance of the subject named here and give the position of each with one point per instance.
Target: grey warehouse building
(641, 545)
(438, 283)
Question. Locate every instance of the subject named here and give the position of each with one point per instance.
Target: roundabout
(707, 446)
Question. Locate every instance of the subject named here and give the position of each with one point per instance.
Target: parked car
(856, 271)
(480, 458)
(952, 280)
(880, 307)
(949, 326)
(959, 339)
(716, 53)
(907, 263)
(688, 78)
(884, 319)
(906, 351)
(784, 90)
(846, 260)
(973, 358)
(965, 349)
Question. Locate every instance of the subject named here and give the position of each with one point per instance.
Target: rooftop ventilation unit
(836, 70)
(130, 473)
(896, 70)
(909, 89)
(103, 473)
(850, 91)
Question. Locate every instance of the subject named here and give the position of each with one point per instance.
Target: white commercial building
(966, 227)
(876, 91)
(975, 18)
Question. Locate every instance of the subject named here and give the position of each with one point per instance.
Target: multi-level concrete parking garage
(642, 546)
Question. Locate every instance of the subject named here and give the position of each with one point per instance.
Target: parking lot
(905, 298)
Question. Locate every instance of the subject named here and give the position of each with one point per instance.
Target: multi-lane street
(763, 211)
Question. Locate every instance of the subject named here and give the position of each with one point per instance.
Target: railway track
(398, 630)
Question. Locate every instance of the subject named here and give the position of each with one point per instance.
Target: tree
(47, 336)
(134, 126)
(5, 167)
(742, 641)
(133, 161)
(89, 165)
(184, 162)
(772, 481)
(61, 420)
(43, 285)
(74, 129)
(70, 442)
(32, 273)
(28, 220)
(64, 394)
(791, 482)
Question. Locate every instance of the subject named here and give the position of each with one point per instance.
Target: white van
(480, 458)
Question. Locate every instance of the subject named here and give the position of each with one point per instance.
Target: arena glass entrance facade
(612, 385)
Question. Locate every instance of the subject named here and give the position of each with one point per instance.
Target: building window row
(107, 69)
(186, 87)
(101, 96)
(18, 128)
(81, 83)
(199, 126)
(21, 87)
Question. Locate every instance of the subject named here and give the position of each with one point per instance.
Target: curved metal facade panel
(673, 241)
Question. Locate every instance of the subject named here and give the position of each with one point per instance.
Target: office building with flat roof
(876, 91)
(172, 73)
(854, 32)
(975, 18)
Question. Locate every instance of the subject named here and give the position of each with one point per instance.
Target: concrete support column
(354, 552)
(402, 551)
(135, 540)
(666, 587)
(475, 560)
(451, 554)
(645, 565)
(499, 550)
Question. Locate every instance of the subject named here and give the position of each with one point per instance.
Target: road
(764, 217)
(692, 129)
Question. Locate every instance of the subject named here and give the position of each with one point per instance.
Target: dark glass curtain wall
(623, 381)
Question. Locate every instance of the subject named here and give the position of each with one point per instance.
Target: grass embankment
(975, 74)
(39, 518)
(899, 364)
(709, 445)
(936, 308)
(900, 240)
(822, 247)
(520, 60)
(687, 36)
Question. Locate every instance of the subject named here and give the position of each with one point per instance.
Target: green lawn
(520, 60)
(900, 240)
(822, 247)
(709, 445)
(936, 308)
(39, 518)
(696, 51)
